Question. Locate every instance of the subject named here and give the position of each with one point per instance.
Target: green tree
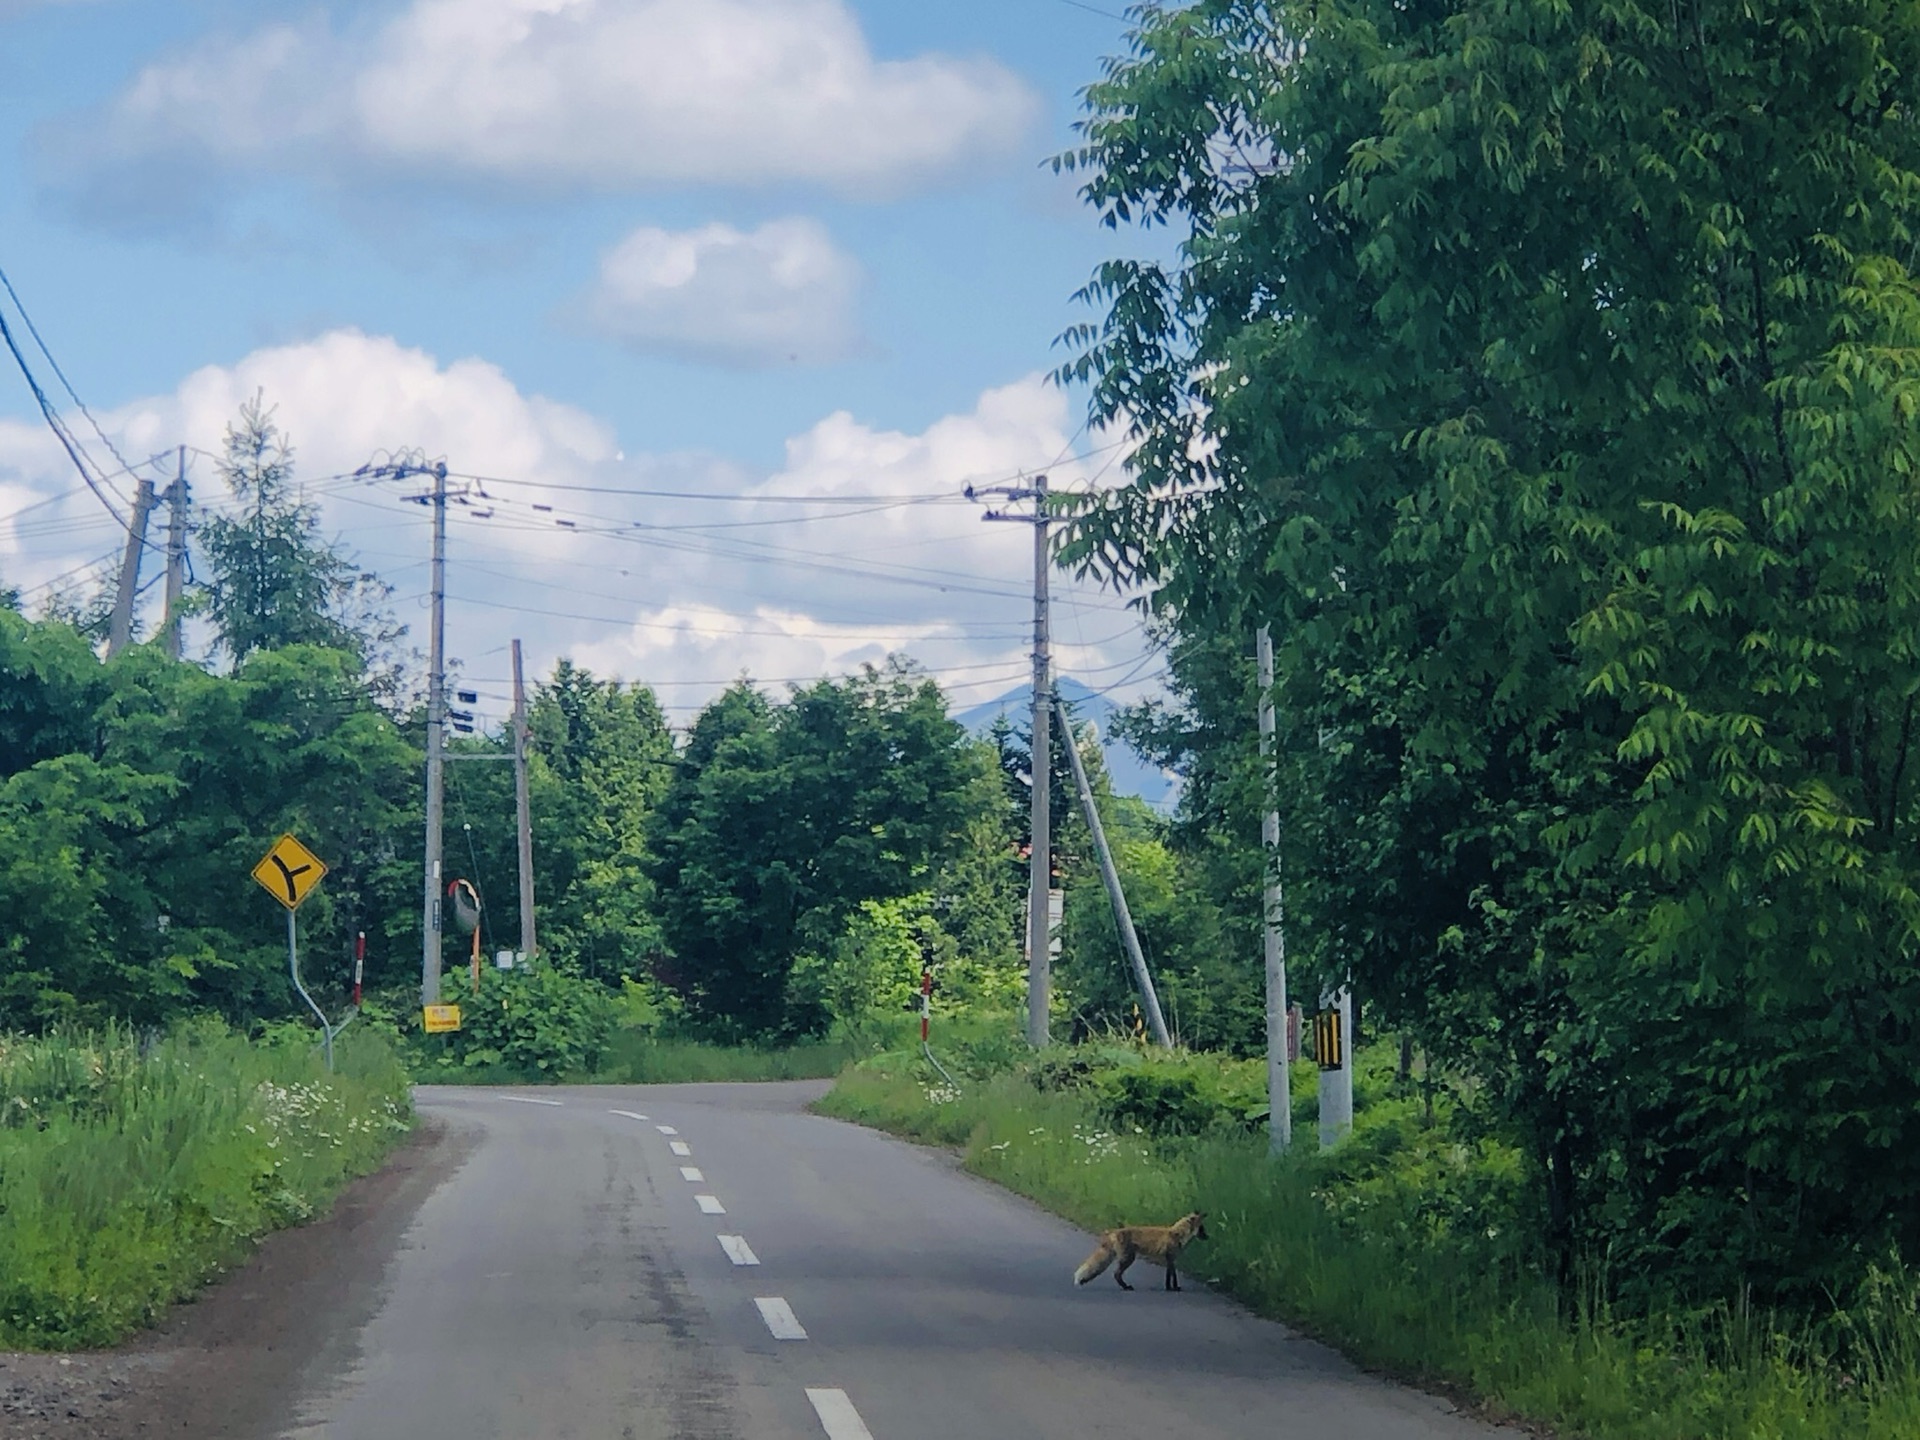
(872, 967)
(979, 895)
(1545, 375)
(781, 819)
(273, 579)
(604, 759)
(137, 795)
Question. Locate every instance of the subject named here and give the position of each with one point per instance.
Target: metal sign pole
(293, 968)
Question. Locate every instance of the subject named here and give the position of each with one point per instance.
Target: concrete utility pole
(176, 553)
(523, 810)
(1279, 1090)
(1122, 917)
(120, 632)
(1040, 873)
(1040, 868)
(436, 723)
(1336, 1084)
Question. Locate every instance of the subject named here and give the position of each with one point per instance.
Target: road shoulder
(226, 1364)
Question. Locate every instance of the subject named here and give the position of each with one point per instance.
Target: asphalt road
(569, 1279)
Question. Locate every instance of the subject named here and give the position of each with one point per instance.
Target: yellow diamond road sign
(289, 872)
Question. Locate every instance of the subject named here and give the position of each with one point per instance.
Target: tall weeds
(130, 1172)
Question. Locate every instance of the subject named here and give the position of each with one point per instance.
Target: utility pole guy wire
(1122, 917)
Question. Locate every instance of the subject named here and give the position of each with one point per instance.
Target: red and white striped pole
(359, 965)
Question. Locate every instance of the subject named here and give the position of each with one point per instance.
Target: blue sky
(753, 249)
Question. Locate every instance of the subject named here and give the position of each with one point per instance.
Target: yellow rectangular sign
(289, 871)
(441, 1018)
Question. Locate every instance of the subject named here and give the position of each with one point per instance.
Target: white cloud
(341, 398)
(585, 94)
(858, 545)
(783, 293)
(769, 644)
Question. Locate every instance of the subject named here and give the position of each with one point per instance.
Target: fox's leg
(1173, 1276)
(1127, 1257)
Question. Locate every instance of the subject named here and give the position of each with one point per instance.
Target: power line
(74, 450)
(67, 384)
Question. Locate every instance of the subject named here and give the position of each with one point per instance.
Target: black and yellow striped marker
(1327, 1039)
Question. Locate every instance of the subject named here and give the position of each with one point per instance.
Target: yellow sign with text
(289, 872)
(441, 1018)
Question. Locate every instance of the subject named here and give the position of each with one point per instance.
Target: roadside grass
(1396, 1248)
(634, 1058)
(544, 1027)
(131, 1174)
(638, 1057)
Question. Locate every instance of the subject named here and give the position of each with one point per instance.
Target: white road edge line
(626, 1114)
(782, 1324)
(709, 1204)
(666, 1130)
(680, 1148)
(692, 1175)
(738, 1251)
(837, 1415)
(528, 1100)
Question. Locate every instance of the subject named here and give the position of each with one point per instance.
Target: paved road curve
(787, 1277)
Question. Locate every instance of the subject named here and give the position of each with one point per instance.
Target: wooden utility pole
(523, 809)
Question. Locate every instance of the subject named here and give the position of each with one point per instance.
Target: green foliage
(601, 758)
(1544, 375)
(130, 1173)
(136, 796)
(1202, 953)
(781, 820)
(544, 1020)
(635, 1058)
(977, 899)
(273, 581)
(873, 966)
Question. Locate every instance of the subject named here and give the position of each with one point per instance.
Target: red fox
(1159, 1243)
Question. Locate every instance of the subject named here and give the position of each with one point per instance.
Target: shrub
(1158, 1102)
(539, 1021)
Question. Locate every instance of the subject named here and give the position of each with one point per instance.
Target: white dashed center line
(528, 1100)
(666, 1130)
(837, 1415)
(738, 1251)
(680, 1147)
(709, 1204)
(691, 1174)
(780, 1318)
(626, 1114)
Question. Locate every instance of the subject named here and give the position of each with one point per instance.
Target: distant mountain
(1130, 774)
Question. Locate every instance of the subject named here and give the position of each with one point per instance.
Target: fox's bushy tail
(1095, 1264)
